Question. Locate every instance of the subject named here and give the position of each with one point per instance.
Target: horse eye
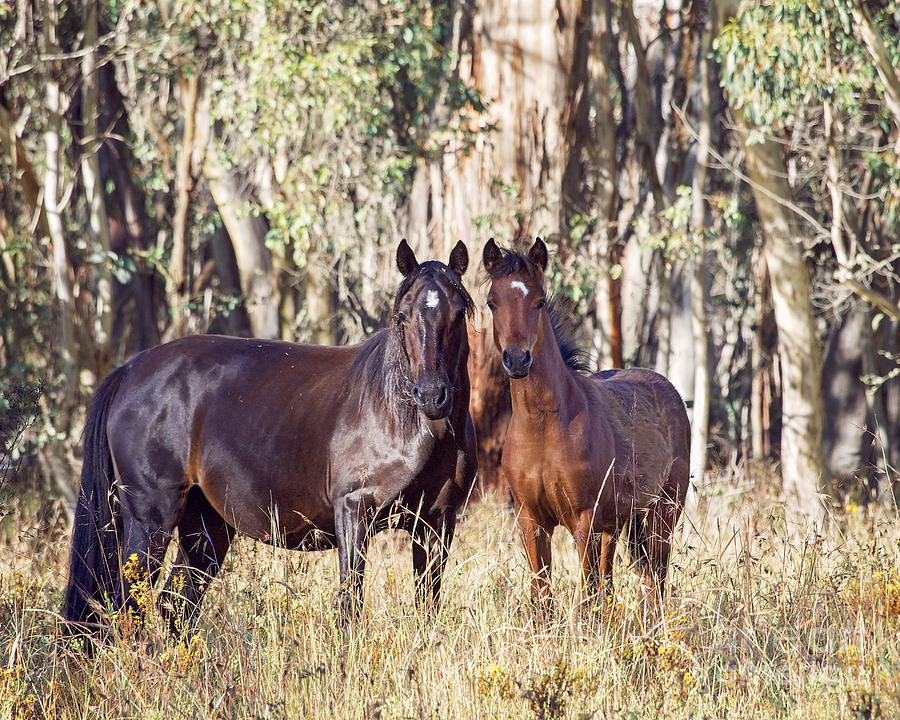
(491, 306)
(541, 303)
(401, 316)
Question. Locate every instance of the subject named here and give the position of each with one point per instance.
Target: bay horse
(591, 452)
(300, 446)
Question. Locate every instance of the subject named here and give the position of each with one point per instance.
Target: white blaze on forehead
(519, 285)
(431, 299)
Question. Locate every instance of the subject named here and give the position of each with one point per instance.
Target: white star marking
(519, 285)
(431, 299)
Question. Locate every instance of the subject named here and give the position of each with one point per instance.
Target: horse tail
(94, 566)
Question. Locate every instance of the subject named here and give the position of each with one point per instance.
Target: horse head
(517, 301)
(430, 317)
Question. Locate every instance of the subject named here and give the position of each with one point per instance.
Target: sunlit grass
(766, 620)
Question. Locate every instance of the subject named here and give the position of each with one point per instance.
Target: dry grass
(765, 621)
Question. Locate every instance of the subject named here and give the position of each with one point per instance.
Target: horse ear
(491, 255)
(538, 254)
(459, 259)
(406, 258)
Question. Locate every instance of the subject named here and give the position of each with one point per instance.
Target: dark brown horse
(300, 446)
(593, 453)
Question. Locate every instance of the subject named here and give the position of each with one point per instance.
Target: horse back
(247, 420)
(646, 416)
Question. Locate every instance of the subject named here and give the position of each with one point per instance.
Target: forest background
(718, 181)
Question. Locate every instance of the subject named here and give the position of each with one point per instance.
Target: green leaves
(336, 102)
(122, 267)
(675, 238)
(775, 58)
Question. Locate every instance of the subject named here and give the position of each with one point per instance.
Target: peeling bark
(521, 57)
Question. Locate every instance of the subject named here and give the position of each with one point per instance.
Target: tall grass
(765, 620)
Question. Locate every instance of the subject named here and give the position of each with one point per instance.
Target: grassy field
(765, 620)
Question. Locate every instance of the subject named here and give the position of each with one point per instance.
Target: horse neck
(544, 389)
(389, 388)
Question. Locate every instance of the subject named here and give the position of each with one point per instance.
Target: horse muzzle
(517, 362)
(434, 399)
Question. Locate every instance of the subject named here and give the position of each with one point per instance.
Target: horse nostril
(442, 396)
(417, 392)
(526, 361)
(507, 358)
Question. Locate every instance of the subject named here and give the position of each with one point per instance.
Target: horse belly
(277, 507)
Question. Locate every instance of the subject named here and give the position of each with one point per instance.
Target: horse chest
(386, 463)
(551, 471)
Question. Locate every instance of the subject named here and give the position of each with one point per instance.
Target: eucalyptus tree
(814, 117)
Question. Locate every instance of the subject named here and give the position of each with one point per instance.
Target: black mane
(559, 308)
(380, 372)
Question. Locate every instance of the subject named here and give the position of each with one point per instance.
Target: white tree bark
(700, 413)
(248, 236)
(510, 182)
(90, 173)
(178, 291)
(798, 347)
(60, 267)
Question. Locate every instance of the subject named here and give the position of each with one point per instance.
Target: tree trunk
(320, 305)
(238, 321)
(56, 471)
(680, 355)
(700, 414)
(604, 240)
(93, 188)
(256, 268)
(61, 269)
(131, 228)
(520, 56)
(646, 114)
(22, 168)
(760, 388)
(846, 443)
(178, 290)
(798, 347)
(248, 236)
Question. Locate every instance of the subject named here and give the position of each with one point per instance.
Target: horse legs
(352, 521)
(661, 520)
(536, 539)
(596, 551)
(430, 549)
(143, 549)
(203, 541)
